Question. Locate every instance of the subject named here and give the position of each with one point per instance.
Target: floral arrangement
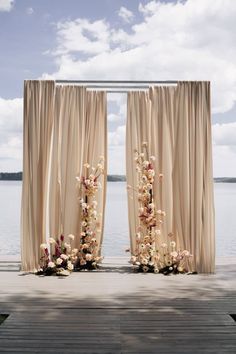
(58, 258)
(88, 253)
(150, 254)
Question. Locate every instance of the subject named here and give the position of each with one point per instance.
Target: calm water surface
(116, 237)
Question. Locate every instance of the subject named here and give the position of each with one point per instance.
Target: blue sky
(118, 39)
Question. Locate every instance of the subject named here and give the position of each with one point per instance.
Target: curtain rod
(112, 82)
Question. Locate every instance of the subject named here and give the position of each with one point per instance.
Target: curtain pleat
(38, 121)
(192, 175)
(137, 132)
(161, 142)
(95, 147)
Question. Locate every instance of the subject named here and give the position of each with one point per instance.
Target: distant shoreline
(17, 176)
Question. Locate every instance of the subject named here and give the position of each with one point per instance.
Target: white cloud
(126, 14)
(198, 43)
(116, 160)
(6, 5)
(224, 134)
(82, 36)
(29, 11)
(11, 126)
(117, 137)
(224, 149)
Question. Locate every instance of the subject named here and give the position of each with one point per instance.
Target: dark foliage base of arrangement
(168, 270)
(53, 271)
(86, 267)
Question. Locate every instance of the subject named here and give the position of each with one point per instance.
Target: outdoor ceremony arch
(65, 126)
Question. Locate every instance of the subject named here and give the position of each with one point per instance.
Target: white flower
(172, 243)
(174, 254)
(70, 266)
(133, 259)
(71, 237)
(141, 210)
(86, 165)
(145, 163)
(51, 265)
(64, 256)
(78, 179)
(75, 250)
(59, 261)
(157, 232)
(142, 154)
(84, 205)
(94, 203)
(67, 245)
(186, 253)
(144, 261)
(88, 257)
(51, 240)
(43, 246)
(180, 269)
(159, 212)
(163, 245)
(84, 223)
(144, 178)
(152, 158)
(156, 270)
(145, 269)
(151, 172)
(151, 205)
(102, 158)
(99, 165)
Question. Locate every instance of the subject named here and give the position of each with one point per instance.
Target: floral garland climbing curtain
(64, 128)
(176, 124)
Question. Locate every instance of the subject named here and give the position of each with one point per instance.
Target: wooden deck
(117, 311)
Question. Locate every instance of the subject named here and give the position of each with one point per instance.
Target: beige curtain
(192, 174)
(176, 123)
(95, 145)
(79, 136)
(161, 142)
(38, 120)
(137, 131)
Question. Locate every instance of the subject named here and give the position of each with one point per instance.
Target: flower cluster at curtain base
(58, 258)
(89, 251)
(150, 254)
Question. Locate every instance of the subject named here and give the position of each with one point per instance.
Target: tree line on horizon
(17, 176)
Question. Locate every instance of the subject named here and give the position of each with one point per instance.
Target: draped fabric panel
(137, 131)
(95, 145)
(176, 123)
(38, 121)
(192, 174)
(79, 137)
(161, 142)
(66, 160)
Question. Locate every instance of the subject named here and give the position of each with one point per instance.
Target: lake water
(116, 238)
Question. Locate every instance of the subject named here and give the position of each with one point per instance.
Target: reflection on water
(116, 237)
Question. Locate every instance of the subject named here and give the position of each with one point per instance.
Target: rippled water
(116, 237)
